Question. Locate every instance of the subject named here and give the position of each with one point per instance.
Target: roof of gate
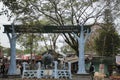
(45, 29)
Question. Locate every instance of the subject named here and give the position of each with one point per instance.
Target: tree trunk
(81, 62)
(12, 66)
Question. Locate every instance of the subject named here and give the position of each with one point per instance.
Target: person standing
(3, 68)
(92, 70)
(18, 72)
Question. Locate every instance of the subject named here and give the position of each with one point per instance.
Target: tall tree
(112, 8)
(82, 40)
(12, 39)
(58, 12)
(108, 41)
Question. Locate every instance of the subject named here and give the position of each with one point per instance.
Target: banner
(1, 54)
(118, 60)
(101, 68)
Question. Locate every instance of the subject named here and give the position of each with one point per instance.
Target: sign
(118, 60)
(45, 29)
(1, 53)
(101, 68)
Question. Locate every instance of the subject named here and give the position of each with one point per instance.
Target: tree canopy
(108, 43)
(59, 12)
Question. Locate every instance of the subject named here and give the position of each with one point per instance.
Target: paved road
(74, 77)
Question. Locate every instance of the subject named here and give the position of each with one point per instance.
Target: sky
(3, 37)
(4, 41)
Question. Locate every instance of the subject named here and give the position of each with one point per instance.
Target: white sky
(3, 37)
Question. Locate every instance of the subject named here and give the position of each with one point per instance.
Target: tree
(113, 6)
(49, 40)
(57, 12)
(108, 41)
(66, 49)
(25, 39)
(82, 40)
(12, 39)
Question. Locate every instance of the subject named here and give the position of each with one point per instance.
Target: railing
(45, 73)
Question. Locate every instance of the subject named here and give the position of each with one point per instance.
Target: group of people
(4, 69)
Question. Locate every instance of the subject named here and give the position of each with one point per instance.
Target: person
(3, 68)
(92, 70)
(21, 68)
(18, 70)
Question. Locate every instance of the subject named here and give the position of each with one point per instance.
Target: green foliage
(67, 49)
(57, 12)
(108, 43)
(6, 51)
(28, 42)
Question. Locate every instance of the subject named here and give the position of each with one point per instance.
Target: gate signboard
(45, 29)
